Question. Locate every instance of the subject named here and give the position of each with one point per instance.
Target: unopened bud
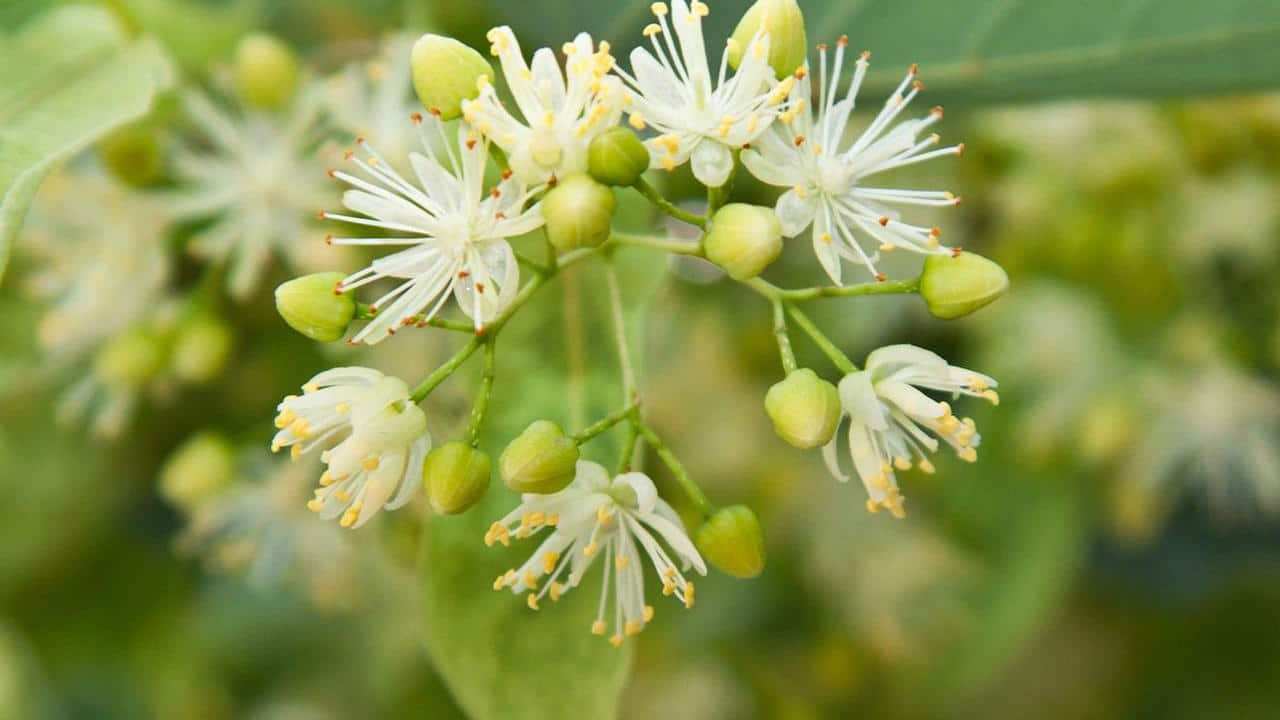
(578, 213)
(266, 71)
(804, 408)
(954, 286)
(732, 541)
(134, 153)
(784, 23)
(201, 348)
(541, 460)
(130, 359)
(744, 239)
(617, 157)
(198, 470)
(312, 305)
(445, 73)
(456, 477)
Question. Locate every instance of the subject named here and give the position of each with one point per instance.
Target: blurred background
(1115, 553)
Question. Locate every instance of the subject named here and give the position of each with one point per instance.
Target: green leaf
(985, 51)
(66, 80)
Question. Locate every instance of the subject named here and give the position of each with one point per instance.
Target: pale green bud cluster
(313, 306)
(446, 73)
(744, 240)
(804, 408)
(130, 359)
(954, 286)
(732, 541)
(578, 213)
(198, 470)
(266, 72)
(541, 460)
(617, 157)
(201, 348)
(456, 476)
(783, 21)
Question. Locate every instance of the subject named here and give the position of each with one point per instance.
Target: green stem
(442, 373)
(593, 430)
(772, 291)
(534, 266)
(481, 405)
(784, 340)
(620, 334)
(666, 206)
(628, 449)
(677, 469)
(678, 247)
(838, 358)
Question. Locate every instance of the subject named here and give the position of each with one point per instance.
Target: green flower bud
(445, 73)
(266, 71)
(198, 470)
(784, 22)
(954, 286)
(541, 460)
(732, 541)
(617, 157)
(130, 359)
(579, 212)
(201, 349)
(313, 306)
(804, 408)
(456, 476)
(744, 239)
(133, 154)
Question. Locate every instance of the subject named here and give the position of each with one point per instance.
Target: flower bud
(579, 212)
(266, 72)
(201, 348)
(456, 476)
(617, 157)
(197, 471)
(312, 305)
(954, 286)
(133, 154)
(129, 359)
(445, 73)
(784, 23)
(744, 239)
(541, 460)
(732, 541)
(804, 408)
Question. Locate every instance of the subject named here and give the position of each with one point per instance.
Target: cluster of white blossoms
(597, 517)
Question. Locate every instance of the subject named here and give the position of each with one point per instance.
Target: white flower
(892, 423)
(698, 122)
(374, 98)
(259, 180)
(807, 152)
(102, 260)
(457, 233)
(596, 517)
(562, 112)
(376, 435)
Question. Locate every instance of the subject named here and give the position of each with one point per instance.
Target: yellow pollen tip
(532, 601)
(549, 561)
(648, 613)
(658, 9)
(616, 641)
(597, 627)
(370, 463)
(315, 505)
(633, 628)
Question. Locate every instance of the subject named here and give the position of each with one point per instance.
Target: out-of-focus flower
(699, 122)
(562, 112)
(123, 369)
(892, 425)
(374, 99)
(102, 262)
(597, 516)
(806, 151)
(259, 528)
(259, 180)
(1235, 216)
(457, 233)
(376, 438)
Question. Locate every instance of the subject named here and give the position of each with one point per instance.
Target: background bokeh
(1115, 553)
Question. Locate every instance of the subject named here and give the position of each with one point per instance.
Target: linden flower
(457, 233)
(562, 112)
(259, 181)
(376, 435)
(807, 152)
(698, 122)
(889, 417)
(597, 516)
